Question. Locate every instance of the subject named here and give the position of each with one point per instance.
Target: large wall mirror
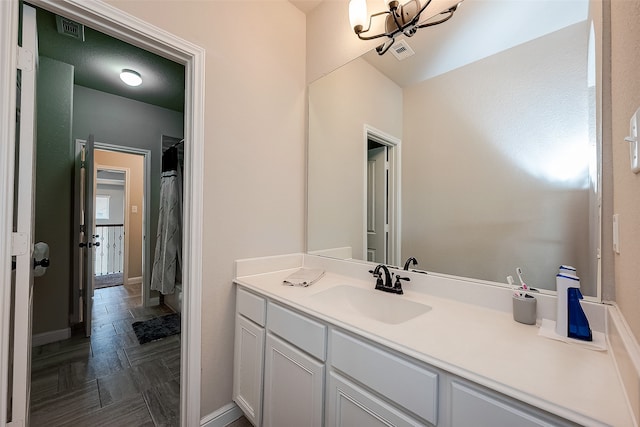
(489, 138)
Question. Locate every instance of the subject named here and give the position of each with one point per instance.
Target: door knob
(44, 262)
(41, 259)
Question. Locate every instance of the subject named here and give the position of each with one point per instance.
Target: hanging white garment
(168, 255)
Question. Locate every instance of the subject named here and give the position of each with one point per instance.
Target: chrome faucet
(386, 285)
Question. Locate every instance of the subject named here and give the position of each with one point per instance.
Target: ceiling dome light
(130, 77)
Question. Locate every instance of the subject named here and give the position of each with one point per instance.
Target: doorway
(382, 197)
(121, 217)
(109, 19)
(111, 197)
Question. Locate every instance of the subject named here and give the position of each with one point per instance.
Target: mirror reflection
(484, 146)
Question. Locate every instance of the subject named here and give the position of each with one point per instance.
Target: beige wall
(337, 150)
(135, 164)
(331, 41)
(485, 154)
(254, 192)
(625, 96)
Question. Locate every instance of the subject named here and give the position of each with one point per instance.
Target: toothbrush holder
(524, 309)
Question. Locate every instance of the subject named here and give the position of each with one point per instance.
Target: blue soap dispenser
(578, 323)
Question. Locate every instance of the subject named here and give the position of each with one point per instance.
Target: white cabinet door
(293, 386)
(351, 406)
(473, 407)
(247, 368)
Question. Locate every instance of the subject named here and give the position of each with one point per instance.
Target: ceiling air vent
(401, 50)
(70, 28)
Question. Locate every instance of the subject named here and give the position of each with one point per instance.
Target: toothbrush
(513, 286)
(524, 285)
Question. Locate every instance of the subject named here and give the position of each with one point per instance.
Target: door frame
(393, 144)
(112, 21)
(147, 300)
(8, 79)
(373, 209)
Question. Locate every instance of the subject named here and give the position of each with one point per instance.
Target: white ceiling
(305, 6)
(479, 28)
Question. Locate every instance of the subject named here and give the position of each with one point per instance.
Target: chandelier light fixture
(399, 19)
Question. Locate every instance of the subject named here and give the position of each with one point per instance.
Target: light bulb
(357, 14)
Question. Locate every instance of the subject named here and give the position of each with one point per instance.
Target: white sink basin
(381, 306)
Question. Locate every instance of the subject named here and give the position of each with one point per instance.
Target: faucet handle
(378, 276)
(398, 286)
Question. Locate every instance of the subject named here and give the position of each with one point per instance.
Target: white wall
(116, 203)
(254, 192)
(338, 151)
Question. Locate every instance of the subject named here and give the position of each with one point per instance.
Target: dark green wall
(54, 186)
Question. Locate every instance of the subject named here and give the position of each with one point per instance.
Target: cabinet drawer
(481, 408)
(251, 306)
(405, 383)
(304, 333)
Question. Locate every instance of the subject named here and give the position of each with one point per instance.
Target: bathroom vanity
(339, 353)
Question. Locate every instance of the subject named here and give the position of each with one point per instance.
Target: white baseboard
(222, 417)
(51, 336)
(134, 280)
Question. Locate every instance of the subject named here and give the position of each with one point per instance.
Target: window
(102, 207)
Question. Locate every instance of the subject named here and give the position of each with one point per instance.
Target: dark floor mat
(108, 280)
(157, 328)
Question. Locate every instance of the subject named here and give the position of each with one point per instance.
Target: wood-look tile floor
(108, 379)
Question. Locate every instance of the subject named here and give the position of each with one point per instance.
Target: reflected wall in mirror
(499, 155)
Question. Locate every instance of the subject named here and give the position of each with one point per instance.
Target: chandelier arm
(416, 18)
(395, 19)
(383, 48)
(445, 19)
(389, 34)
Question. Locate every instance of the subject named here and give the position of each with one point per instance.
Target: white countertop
(480, 344)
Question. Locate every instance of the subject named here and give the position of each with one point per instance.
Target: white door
(87, 231)
(377, 205)
(24, 222)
